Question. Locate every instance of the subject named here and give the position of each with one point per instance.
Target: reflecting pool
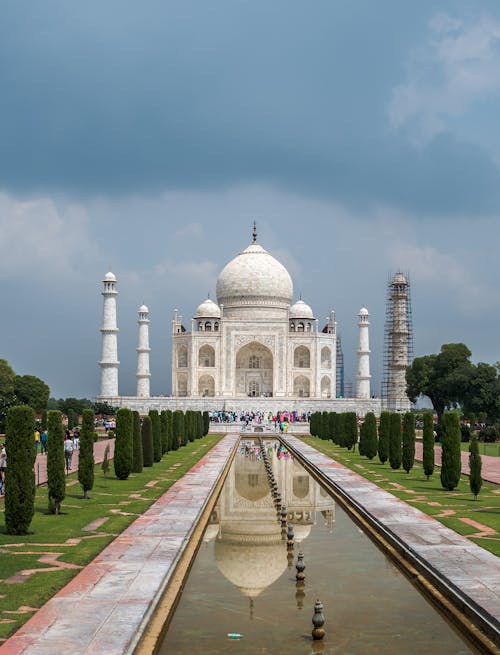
(243, 578)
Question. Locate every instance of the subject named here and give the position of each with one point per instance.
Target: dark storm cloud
(113, 97)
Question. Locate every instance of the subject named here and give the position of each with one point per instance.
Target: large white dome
(254, 277)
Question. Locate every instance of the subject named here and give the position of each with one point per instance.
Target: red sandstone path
(490, 471)
(99, 448)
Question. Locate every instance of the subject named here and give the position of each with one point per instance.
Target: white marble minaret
(109, 358)
(363, 377)
(400, 344)
(143, 375)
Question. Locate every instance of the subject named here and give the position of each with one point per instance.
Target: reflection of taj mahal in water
(249, 548)
(253, 343)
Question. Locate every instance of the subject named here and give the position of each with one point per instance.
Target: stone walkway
(462, 565)
(106, 606)
(490, 470)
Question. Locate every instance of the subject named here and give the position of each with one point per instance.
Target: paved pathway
(473, 571)
(490, 465)
(99, 448)
(106, 606)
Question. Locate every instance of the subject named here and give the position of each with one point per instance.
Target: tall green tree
(341, 436)
(384, 429)
(408, 454)
(137, 462)
(444, 378)
(395, 441)
(164, 431)
(428, 444)
(156, 427)
(370, 444)
(325, 426)
(86, 453)
(20, 478)
(206, 423)
(56, 465)
(178, 428)
(32, 391)
(483, 392)
(475, 465)
(451, 459)
(332, 422)
(170, 432)
(147, 442)
(350, 430)
(124, 432)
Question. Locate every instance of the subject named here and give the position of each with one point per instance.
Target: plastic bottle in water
(234, 635)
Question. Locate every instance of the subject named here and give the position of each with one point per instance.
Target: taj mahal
(255, 348)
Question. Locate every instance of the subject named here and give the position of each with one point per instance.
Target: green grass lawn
(66, 536)
(448, 507)
(491, 449)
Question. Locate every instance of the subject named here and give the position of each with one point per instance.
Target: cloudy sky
(363, 137)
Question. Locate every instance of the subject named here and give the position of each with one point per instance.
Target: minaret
(109, 356)
(363, 377)
(399, 340)
(143, 375)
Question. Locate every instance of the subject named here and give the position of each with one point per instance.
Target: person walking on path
(43, 442)
(68, 452)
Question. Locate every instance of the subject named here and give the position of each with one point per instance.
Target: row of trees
(20, 390)
(136, 445)
(394, 441)
(450, 380)
(139, 445)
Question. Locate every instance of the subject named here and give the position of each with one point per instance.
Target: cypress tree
(170, 430)
(350, 430)
(341, 439)
(156, 427)
(20, 477)
(179, 428)
(43, 423)
(408, 456)
(383, 436)
(147, 441)
(105, 461)
(475, 464)
(190, 427)
(332, 425)
(200, 427)
(123, 443)
(362, 438)
(370, 436)
(86, 453)
(428, 444)
(395, 441)
(206, 423)
(451, 461)
(164, 432)
(56, 466)
(325, 426)
(137, 445)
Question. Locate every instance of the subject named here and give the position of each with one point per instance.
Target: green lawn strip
(491, 449)
(413, 486)
(110, 499)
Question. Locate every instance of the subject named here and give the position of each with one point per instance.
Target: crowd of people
(260, 417)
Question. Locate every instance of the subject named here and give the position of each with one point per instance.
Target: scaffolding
(340, 369)
(398, 342)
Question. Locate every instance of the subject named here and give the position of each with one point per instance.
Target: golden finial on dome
(254, 233)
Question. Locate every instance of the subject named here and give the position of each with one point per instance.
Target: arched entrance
(254, 371)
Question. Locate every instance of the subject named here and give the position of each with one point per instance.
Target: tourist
(43, 442)
(68, 451)
(3, 468)
(37, 441)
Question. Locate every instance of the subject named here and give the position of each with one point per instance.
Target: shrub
(488, 434)
(465, 433)
(370, 436)
(137, 444)
(428, 444)
(384, 428)
(156, 427)
(178, 428)
(206, 423)
(475, 464)
(147, 442)
(56, 465)
(111, 434)
(123, 443)
(350, 430)
(170, 430)
(395, 441)
(325, 426)
(408, 455)
(332, 421)
(451, 460)
(164, 432)
(20, 476)
(86, 453)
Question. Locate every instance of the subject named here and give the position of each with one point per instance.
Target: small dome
(399, 278)
(208, 309)
(254, 277)
(109, 277)
(301, 310)
(363, 311)
(143, 309)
